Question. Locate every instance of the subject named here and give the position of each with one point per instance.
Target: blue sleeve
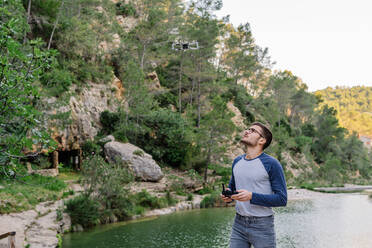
(278, 186)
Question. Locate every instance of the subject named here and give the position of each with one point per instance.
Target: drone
(182, 45)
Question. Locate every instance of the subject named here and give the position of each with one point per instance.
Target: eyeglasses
(252, 130)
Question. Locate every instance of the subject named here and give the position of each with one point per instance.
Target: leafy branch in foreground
(20, 68)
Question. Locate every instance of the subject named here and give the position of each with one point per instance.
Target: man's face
(252, 136)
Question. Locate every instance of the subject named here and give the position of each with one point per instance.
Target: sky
(323, 42)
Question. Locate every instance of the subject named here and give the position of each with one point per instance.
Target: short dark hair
(266, 134)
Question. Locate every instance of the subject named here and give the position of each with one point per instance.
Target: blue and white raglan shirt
(264, 177)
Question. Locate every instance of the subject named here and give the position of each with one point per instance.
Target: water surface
(339, 221)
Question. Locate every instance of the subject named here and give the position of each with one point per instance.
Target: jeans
(251, 230)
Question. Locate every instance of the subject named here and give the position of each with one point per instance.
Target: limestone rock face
(127, 23)
(235, 149)
(142, 164)
(107, 47)
(296, 165)
(85, 109)
(154, 83)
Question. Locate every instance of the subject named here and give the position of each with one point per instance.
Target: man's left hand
(244, 195)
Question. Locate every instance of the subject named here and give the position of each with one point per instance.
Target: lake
(329, 221)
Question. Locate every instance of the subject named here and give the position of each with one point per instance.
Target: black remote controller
(228, 193)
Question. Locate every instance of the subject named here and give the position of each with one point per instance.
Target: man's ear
(262, 141)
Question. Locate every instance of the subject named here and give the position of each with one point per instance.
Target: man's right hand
(226, 199)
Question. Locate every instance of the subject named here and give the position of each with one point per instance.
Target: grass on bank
(68, 175)
(24, 193)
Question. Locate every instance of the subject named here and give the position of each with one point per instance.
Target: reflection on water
(337, 221)
(199, 228)
(330, 221)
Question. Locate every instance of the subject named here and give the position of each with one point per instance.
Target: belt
(250, 217)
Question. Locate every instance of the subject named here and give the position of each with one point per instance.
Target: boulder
(144, 167)
(108, 138)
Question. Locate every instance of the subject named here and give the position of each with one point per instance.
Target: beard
(249, 143)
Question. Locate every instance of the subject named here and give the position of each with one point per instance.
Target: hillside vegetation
(52, 48)
(353, 106)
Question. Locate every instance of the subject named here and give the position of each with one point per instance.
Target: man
(259, 180)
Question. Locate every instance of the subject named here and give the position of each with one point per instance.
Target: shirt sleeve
(278, 186)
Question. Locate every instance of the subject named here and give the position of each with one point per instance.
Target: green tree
(204, 28)
(302, 105)
(354, 155)
(328, 133)
(283, 86)
(241, 55)
(151, 32)
(214, 132)
(20, 67)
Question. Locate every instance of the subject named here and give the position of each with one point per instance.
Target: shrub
(190, 197)
(210, 200)
(224, 172)
(121, 206)
(170, 200)
(241, 99)
(109, 180)
(166, 99)
(68, 193)
(83, 210)
(332, 170)
(146, 200)
(168, 76)
(162, 133)
(125, 9)
(302, 142)
(139, 210)
(178, 186)
(59, 237)
(109, 121)
(107, 185)
(120, 135)
(57, 81)
(90, 148)
(205, 190)
(59, 213)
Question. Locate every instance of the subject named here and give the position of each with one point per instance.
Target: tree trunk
(192, 91)
(51, 36)
(192, 87)
(55, 160)
(206, 166)
(55, 25)
(180, 85)
(79, 9)
(198, 125)
(143, 56)
(28, 19)
(80, 159)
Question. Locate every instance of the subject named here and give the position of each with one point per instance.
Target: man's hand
(226, 199)
(244, 195)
